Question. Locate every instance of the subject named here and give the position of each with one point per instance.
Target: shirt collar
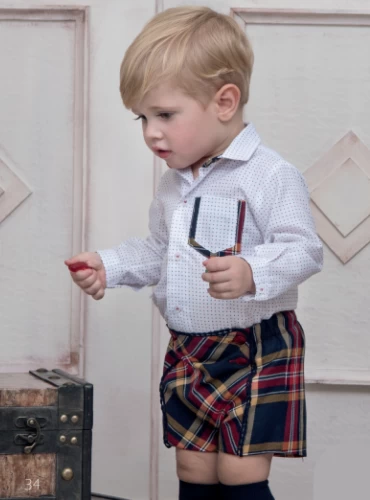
(240, 149)
(244, 144)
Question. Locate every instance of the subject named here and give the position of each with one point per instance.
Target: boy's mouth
(162, 153)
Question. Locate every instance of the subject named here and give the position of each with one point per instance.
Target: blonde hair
(195, 47)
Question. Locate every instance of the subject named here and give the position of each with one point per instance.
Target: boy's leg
(244, 478)
(197, 473)
(234, 470)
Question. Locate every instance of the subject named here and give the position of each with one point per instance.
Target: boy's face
(178, 128)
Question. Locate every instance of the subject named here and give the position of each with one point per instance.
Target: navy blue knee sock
(254, 491)
(190, 491)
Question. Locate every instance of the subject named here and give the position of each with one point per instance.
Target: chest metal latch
(32, 439)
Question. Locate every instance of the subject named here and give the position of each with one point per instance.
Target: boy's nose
(153, 132)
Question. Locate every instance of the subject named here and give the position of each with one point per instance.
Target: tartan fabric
(234, 250)
(237, 391)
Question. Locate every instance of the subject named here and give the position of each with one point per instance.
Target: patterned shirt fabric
(278, 238)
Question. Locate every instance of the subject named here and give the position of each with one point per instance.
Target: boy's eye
(165, 116)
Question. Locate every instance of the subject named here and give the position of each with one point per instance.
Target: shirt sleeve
(137, 262)
(292, 251)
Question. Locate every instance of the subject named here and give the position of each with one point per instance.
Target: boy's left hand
(229, 277)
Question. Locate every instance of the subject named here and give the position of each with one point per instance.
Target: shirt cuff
(113, 267)
(260, 278)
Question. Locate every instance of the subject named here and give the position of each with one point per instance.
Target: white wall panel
(307, 106)
(37, 131)
(41, 171)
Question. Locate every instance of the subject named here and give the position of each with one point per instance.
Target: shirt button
(185, 201)
(177, 256)
(178, 309)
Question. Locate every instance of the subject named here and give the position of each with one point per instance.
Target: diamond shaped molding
(13, 191)
(339, 184)
(333, 197)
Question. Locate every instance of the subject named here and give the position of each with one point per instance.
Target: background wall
(75, 174)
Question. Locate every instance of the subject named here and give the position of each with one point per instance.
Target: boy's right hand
(93, 280)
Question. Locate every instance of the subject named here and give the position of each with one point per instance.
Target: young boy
(232, 390)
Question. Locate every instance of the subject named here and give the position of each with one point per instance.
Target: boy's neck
(233, 130)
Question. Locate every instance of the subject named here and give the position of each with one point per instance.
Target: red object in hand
(78, 266)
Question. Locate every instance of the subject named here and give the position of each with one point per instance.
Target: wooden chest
(45, 436)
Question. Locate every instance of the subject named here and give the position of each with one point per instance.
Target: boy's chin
(175, 166)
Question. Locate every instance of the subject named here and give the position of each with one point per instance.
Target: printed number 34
(30, 486)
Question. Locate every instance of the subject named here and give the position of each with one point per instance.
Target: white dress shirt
(278, 239)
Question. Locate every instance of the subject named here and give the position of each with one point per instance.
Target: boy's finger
(86, 282)
(94, 289)
(99, 295)
(80, 276)
(216, 264)
(222, 295)
(78, 266)
(216, 277)
(220, 287)
(83, 261)
(81, 257)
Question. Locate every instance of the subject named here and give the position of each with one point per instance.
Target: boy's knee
(233, 470)
(196, 467)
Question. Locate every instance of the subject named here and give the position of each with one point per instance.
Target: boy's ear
(227, 101)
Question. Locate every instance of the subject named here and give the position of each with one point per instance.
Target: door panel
(42, 162)
(86, 181)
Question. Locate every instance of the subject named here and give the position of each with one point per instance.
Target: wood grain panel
(27, 475)
(21, 389)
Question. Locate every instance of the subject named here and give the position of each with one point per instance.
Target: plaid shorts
(239, 391)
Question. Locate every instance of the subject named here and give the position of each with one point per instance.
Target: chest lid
(44, 401)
